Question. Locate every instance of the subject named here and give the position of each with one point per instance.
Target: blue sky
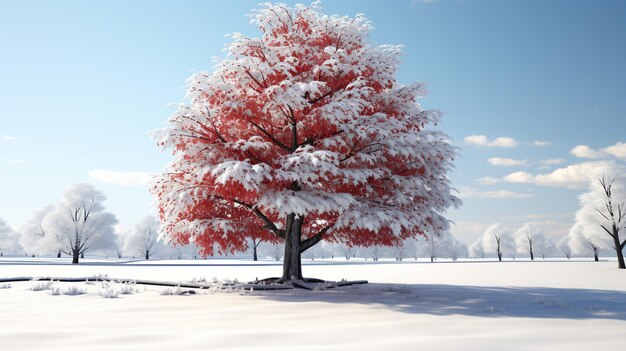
(82, 83)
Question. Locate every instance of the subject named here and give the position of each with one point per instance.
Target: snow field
(444, 306)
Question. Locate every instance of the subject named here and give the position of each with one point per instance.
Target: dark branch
(274, 140)
(606, 230)
(268, 222)
(308, 243)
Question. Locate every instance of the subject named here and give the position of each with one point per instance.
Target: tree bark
(147, 254)
(75, 256)
(292, 265)
(254, 254)
(618, 249)
(500, 257)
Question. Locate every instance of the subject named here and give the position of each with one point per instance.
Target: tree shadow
(488, 302)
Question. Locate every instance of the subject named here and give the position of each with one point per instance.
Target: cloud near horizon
(617, 150)
(488, 180)
(133, 178)
(482, 140)
(467, 192)
(552, 162)
(506, 162)
(7, 137)
(576, 176)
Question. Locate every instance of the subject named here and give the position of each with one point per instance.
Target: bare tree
(374, 252)
(8, 238)
(144, 239)
(254, 245)
(595, 249)
(615, 216)
(564, 247)
(78, 223)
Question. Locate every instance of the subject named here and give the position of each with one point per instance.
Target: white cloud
(552, 162)
(506, 162)
(16, 161)
(7, 137)
(482, 140)
(541, 143)
(466, 193)
(576, 176)
(488, 180)
(584, 151)
(121, 178)
(618, 150)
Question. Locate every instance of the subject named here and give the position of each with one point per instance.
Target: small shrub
(41, 286)
(74, 291)
(109, 293)
(127, 290)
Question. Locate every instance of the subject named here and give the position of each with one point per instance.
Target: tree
(31, 233)
(584, 244)
(8, 238)
(274, 251)
(497, 241)
(602, 215)
(76, 224)
(254, 245)
(344, 250)
(476, 250)
(374, 251)
(144, 239)
(563, 247)
(455, 247)
(303, 135)
(432, 246)
(529, 240)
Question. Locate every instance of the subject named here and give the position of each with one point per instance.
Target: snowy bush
(127, 290)
(74, 290)
(109, 293)
(172, 291)
(41, 286)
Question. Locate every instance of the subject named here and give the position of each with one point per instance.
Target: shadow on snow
(489, 302)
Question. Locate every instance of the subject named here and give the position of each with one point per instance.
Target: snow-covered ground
(542, 305)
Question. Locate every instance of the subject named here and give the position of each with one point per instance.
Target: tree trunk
(620, 260)
(595, 255)
(500, 257)
(532, 255)
(59, 254)
(82, 255)
(254, 254)
(618, 249)
(75, 256)
(292, 265)
(147, 254)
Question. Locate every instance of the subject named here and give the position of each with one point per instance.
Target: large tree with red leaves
(303, 135)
